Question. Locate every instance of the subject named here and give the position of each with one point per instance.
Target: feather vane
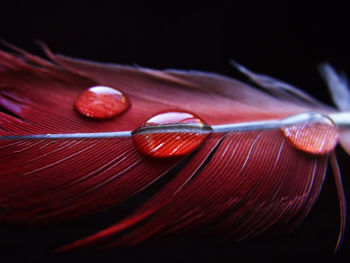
(240, 184)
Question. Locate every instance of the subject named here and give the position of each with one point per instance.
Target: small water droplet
(316, 137)
(101, 102)
(170, 134)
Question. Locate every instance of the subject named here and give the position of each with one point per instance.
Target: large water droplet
(170, 134)
(317, 136)
(101, 102)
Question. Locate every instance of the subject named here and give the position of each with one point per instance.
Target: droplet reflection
(101, 102)
(316, 137)
(170, 134)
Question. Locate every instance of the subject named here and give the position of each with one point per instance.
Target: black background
(281, 39)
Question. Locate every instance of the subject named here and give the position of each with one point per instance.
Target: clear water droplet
(317, 137)
(170, 134)
(101, 102)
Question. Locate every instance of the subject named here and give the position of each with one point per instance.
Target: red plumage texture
(240, 184)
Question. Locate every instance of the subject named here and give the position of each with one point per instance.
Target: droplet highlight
(171, 134)
(101, 102)
(317, 136)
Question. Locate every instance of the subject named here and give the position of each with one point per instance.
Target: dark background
(277, 38)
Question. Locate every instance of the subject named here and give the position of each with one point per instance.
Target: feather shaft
(340, 119)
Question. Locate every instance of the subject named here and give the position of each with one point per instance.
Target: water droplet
(101, 102)
(317, 137)
(170, 134)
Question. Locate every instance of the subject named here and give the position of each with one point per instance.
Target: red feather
(235, 185)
